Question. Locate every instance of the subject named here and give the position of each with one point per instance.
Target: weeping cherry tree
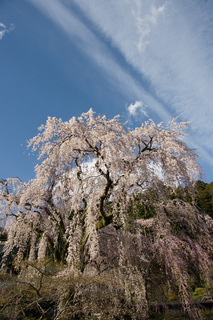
(90, 169)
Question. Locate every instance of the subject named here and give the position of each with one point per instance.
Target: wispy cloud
(146, 23)
(136, 108)
(4, 29)
(97, 50)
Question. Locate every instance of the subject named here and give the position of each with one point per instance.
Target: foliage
(63, 295)
(204, 196)
(31, 295)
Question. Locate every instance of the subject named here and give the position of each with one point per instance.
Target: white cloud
(4, 29)
(137, 107)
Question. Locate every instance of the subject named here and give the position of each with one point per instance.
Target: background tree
(204, 196)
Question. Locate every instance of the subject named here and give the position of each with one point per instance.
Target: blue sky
(138, 58)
